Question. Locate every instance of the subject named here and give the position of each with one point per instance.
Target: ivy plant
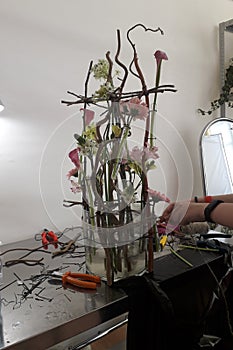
(225, 94)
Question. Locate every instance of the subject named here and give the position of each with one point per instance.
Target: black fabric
(151, 316)
(169, 307)
(220, 318)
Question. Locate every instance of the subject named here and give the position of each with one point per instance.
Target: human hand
(183, 213)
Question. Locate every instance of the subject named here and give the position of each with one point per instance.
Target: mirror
(216, 150)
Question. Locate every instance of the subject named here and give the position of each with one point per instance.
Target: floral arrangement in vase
(111, 172)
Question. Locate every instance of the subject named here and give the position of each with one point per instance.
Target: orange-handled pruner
(49, 237)
(82, 280)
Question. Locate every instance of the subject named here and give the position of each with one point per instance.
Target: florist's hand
(184, 212)
(167, 212)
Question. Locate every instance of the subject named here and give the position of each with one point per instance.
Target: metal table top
(50, 314)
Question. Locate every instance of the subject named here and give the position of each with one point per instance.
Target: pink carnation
(135, 107)
(75, 188)
(157, 196)
(136, 154)
(151, 153)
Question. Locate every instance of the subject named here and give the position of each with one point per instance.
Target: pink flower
(151, 153)
(159, 56)
(136, 154)
(164, 228)
(75, 188)
(88, 115)
(72, 172)
(135, 107)
(137, 101)
(157, 196)
(161, 230)
(75, 157)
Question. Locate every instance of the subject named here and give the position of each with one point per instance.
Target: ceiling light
(1, 106)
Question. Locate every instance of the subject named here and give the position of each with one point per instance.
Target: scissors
(82, 280)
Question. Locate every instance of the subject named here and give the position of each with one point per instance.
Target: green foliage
(225, 94)
(100, 69)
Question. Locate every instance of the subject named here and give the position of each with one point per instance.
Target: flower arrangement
(110, 171)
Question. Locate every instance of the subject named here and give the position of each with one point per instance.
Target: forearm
(227, 198)
(223, 214)
(183, 213)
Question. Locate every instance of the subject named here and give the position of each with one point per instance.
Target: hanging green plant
(226, 92)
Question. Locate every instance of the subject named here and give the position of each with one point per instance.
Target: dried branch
(80, 99)
(69, 204)
(98, 125)
(85, 205)
(87, 79)
(146, 136)
(114, 96)
(109, 78)
(135, 61)
(120, 63)
(133, 45)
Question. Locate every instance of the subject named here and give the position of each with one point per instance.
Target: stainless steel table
(50, 316)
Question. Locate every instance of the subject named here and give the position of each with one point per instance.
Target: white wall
(46, 47)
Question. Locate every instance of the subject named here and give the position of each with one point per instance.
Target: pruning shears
(82, 280)
(47, 237)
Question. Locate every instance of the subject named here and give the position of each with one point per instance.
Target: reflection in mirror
(216, 149)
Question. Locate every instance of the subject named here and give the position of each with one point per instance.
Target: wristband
(210, 207)
(208, 199)
(196, 199)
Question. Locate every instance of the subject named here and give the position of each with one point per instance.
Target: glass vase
(115, 252)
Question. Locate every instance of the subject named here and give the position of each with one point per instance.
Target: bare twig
(120, 63)
(116, 97)
(146, 135)
(69, 204)
(109, 77)
(87, 79)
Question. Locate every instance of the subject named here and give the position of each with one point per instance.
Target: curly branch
(120, 63)
(135, 58)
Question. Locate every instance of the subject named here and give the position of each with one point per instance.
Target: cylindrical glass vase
(115, 252)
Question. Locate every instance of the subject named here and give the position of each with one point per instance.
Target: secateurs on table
(82, 280)
(47, 237)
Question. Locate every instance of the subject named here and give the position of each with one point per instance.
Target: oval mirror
(216, 149)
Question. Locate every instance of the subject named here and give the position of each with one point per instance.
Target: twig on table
(181, 257)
